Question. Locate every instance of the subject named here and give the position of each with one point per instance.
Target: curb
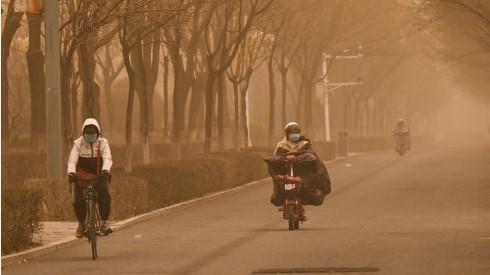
(24, 256)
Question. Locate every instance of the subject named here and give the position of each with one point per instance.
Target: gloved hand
(72, 177)
(290, 157)
(279, 177)
(294, 179)
(106, 176)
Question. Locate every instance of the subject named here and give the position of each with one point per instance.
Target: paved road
(425, 213)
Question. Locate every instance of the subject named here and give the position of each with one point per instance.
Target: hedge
(158, 151)
(156, 185)
(326, 150)
(129, 197)
(173, 181)
(20, 218)
(17, 167)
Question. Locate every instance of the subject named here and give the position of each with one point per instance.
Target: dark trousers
(103, 199)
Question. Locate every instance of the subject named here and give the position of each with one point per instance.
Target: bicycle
(92, 219)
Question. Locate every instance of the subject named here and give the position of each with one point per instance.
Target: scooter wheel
(291, 219)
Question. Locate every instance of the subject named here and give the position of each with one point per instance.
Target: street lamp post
(328, 87)
(325, 100)
(53, 91)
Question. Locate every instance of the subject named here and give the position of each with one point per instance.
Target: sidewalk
(53, 232)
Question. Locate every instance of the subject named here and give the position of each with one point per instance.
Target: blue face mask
(90, 138)
(294, 137)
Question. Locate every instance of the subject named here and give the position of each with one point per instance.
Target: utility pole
(325, 100)
(53, 90)
(328, 87)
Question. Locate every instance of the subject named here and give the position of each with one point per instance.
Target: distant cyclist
(83, 159)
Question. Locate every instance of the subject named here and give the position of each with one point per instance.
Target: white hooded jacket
(83, 149)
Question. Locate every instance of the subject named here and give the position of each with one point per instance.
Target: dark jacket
(313, 173)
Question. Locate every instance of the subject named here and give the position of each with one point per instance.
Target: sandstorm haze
(192, 98)
(423, 61)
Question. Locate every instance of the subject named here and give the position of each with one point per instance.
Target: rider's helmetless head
(293, 131)
(90, 130)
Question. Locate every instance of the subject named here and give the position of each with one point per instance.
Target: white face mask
(294, 137)
(90, 138)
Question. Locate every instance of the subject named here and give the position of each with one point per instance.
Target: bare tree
(110, 69)
(10, 27)
(249, 57)
(225, 31)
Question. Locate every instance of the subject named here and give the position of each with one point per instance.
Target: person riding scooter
(314, 178)
(401, 136)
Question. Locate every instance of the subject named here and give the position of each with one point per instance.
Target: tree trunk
(221, 108)
(12, 23)
(151, 61)
(236, 126)
(284, 75)
(299, 103)
(308, 107)
(91, 91)
(66, 108)
(272, 101)
(178, 97)
(244, 118)
(165, 96)
(35, 65)
(129, 109)
(74, 107)
(144, 109)
(209, 112)
(197, 109)
(108, 128)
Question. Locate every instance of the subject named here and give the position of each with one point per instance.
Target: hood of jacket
(91, 121)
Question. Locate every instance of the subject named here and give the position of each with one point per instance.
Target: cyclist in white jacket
(83, 159)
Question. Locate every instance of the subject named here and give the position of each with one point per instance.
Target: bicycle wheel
(291, 214)
(92, 228)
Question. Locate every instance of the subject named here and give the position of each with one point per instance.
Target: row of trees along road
(168, 69)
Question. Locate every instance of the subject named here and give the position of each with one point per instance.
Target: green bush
(55, 199)
(158, 151)
(129, 197)
(14, 166)
(174, 181)
(20, 218)
(241, 167)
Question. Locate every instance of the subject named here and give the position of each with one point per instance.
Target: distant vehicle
(401, 138)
